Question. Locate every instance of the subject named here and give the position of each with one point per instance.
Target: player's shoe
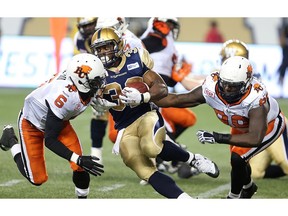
(143, 182)
(185, 171)
(204, 165)
(249, 192)
(8, 138)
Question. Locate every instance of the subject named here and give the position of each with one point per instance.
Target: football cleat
(249, 192)
(204, 165)
(185, 171)
(8, 138)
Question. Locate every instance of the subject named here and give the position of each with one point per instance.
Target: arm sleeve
(53, 128)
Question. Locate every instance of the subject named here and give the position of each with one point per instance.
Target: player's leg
(135, 158)
(97, 131)
(259, 163)
(28, 154)
(112, 134)
(80, 178)
(181, 119)
(279, 153)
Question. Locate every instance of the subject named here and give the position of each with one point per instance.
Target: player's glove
(89, 164)
(205, 136)
(178, 74)
(132, 96)
(101, 105)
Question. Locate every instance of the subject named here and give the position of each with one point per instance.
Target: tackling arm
(189, 99)
(253, 138)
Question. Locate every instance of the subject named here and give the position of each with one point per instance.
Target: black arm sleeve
(222, 138)
(53, 128)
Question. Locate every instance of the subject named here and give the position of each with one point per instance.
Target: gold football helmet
(234, 47)
(107, 44)
(86, 25)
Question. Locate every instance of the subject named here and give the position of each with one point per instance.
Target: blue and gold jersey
(134, 64)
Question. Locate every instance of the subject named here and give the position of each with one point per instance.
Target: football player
(159, 40)
(44, 121)
(141, 130)
(99, 120)
(242, 102)
(273, 161)
(86, 28)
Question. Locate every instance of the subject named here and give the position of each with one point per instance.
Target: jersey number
(60, 100)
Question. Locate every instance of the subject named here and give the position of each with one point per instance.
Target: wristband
(222, 138)
(145, 97)
(74, 157)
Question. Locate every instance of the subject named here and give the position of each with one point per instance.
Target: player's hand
(179, 74)
(101, 105)
(205, 137)
(131, 96)
(89, 164)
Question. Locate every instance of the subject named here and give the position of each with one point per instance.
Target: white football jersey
(131, 41)
(165, 59)
(236, 115)
(62, 97)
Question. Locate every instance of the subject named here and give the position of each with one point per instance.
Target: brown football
(140, 86)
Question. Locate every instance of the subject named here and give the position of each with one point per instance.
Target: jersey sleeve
(146, 58)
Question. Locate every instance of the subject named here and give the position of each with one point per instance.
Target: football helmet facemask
(235, 77)
(87, 73)
(86, 25)
(107, 44)
(233, 47)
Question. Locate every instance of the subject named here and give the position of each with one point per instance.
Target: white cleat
(204, 165)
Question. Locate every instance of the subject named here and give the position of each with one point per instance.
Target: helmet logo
(249, 71)
(83, 70)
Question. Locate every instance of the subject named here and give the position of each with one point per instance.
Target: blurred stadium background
(31, 52)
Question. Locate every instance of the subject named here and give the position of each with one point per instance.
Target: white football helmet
(235, 77)
(118, 23)
(173, 25)
(87, 73)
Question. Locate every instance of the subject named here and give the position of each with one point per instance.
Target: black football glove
(205, 136)
(89, 164)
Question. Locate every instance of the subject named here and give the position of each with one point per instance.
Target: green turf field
(118, 181)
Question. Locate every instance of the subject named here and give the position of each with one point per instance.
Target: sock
(248, 185)
(233, 196)
(97, 131)
(171, 152)
(164, 185)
